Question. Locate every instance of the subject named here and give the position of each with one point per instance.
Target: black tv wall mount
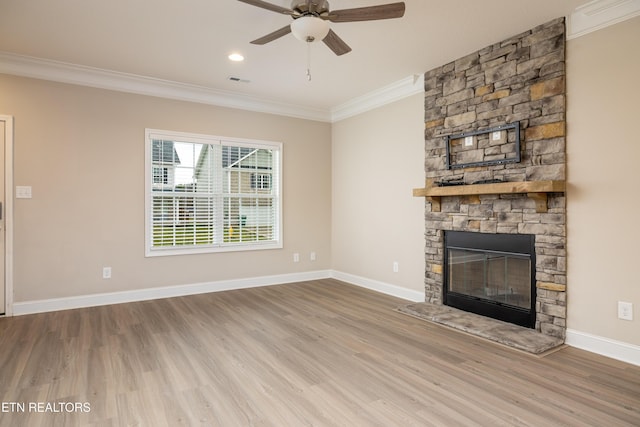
(492, 146)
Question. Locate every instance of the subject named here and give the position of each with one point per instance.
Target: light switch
(23, 192)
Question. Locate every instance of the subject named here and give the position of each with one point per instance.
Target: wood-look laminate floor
(320, 353)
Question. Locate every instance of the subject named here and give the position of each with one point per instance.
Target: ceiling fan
(311, 16)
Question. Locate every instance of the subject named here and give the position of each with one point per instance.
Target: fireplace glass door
(491, 274)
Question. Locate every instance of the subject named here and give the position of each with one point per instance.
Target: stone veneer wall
(520, 79)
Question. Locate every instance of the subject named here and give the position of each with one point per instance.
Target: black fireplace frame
(518, 244)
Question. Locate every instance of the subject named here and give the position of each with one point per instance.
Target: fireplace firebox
(491, 274)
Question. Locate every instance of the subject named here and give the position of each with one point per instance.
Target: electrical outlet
(396, 266)
(23, 192)
(312, 256)
(106, 272)
(625, 310)
(296, 257)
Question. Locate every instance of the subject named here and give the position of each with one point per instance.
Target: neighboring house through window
(261, 181)
(160, 175)
(165, 159)
(211, 194)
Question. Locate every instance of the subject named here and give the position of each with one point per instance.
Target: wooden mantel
(536, 190)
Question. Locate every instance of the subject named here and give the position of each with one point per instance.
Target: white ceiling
(188, 41)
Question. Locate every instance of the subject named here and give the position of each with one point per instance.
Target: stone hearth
(494, 330)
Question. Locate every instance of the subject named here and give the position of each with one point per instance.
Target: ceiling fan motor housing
(314, 7)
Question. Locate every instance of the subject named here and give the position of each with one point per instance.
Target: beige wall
(378, 158)
(603, 153)
(82, 151)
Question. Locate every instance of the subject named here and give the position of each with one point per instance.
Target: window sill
(194, 250)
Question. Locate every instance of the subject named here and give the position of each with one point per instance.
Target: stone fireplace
(514, 90)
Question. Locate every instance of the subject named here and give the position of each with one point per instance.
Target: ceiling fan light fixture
(310, 29)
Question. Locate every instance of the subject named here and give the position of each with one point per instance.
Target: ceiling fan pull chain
(308, 61)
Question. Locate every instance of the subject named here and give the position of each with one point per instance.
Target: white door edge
(8, 213)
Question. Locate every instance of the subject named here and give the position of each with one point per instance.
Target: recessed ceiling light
(236, 57)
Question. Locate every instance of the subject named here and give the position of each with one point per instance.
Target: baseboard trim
(94, 300)
(378, 286)
(618, 350)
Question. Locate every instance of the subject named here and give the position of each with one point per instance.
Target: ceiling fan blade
(370, 13)
(272, 36)
(336, 44)
(269, 6)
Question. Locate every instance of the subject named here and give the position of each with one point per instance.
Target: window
(211, 194)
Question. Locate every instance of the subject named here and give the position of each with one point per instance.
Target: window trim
(150, 135)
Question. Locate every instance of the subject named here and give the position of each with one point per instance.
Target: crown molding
(599, 14)
(45, 69)
(394, 92)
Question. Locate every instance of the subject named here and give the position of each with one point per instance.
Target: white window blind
(210, 194)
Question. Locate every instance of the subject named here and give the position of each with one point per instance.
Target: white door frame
(8, 213)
